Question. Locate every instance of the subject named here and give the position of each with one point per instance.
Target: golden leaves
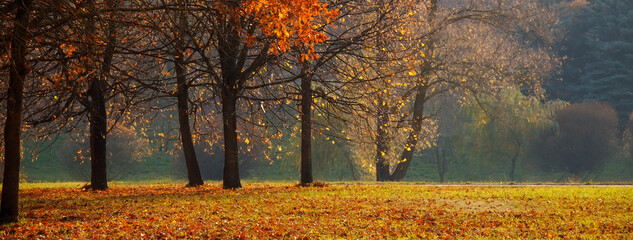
(261, 211)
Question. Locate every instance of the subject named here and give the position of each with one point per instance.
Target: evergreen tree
(599, 50)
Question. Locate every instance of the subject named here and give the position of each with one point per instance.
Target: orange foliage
(289, 22)
(261, 211)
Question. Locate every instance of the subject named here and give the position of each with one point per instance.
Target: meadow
(338, 210)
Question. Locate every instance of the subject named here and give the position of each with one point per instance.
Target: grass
(76, 184)
(339, 210)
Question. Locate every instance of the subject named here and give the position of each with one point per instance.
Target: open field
(261, 210)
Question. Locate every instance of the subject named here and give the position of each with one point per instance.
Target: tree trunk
(98, 132)
(231, 178)
(440, 160)
(444, 165)
(382, 118)
(515, 157)
(412, 139)
(182, 93)
(306, 129)
(418, 111)
(382, 165)
(231, 68)
(97, 112)
(13, 125)
(352, 169)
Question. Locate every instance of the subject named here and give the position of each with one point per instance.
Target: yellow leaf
(412, 73)
(161, 134)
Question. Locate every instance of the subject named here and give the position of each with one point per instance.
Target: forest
(455, 91)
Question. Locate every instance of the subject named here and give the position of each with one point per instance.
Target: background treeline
(575, 142)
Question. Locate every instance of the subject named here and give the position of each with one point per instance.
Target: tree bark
(440, 160)
(182, 92)
(98, 132)
(515, 157)
(382, 165)
(231, 178)
(412, 139)
(98, 114)
(182, 95)
(231, 67)
(306, 128)
(13, 125)
(382, 118)
(418, 111)
(444, 165)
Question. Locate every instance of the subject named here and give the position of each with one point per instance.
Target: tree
(73, 59)
(248, 35)
(467, 49)
(193, 170)
(174, 27)
(83, 59)
(450, 122)
(584, 139)
(24, 29)
(83, 73)
(506, 123)
(379, 68)
(486, 25)
(319, 81)
(18, 69)
(599, 55)
(97, 108)
(306, 125)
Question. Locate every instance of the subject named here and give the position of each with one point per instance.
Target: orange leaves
(68, 49)
(261, 211)
(306, 57)
(290, 23)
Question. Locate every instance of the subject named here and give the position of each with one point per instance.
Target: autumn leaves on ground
(335, 211)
